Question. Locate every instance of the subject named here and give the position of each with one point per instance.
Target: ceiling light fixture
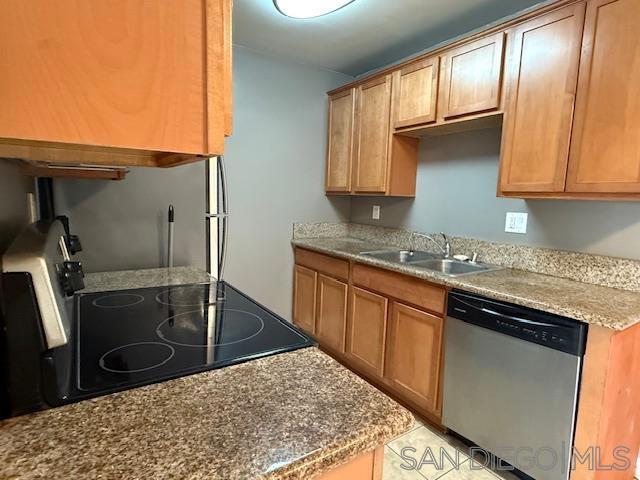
(309, 8)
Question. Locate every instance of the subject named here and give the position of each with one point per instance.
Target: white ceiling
(365, 35)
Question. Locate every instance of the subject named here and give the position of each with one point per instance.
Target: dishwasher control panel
(546, 329)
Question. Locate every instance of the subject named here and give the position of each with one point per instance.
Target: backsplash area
(583, 267)
(456, 194)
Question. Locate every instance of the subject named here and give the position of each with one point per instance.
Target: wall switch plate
(376, 212)
(516, 222)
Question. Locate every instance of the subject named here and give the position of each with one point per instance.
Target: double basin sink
(430, 261)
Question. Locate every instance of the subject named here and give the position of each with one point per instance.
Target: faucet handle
(474, 257)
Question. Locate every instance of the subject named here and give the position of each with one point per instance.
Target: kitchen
(292, 179)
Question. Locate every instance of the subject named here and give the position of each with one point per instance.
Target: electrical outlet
(376, 212)
(516, 222)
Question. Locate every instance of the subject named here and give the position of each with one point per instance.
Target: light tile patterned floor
(448, 453)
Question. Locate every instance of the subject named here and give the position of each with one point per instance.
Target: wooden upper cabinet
(605, 146)
(471, 77)
(415, 93)
(414, 355)
(331, 316)
(372, 134)
(304, 298)
(340, 141)
(367, 330)
(544, 55)
(121, 82)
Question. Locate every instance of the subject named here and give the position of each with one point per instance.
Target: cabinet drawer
(402, 287)
(331, 266)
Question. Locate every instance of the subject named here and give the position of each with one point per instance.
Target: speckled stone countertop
(290, 416)
(605, 306)
(151, 277)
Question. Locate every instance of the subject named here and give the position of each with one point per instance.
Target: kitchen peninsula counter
(291, 416)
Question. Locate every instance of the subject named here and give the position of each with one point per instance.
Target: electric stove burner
(153, 341)
(118, 300)
(136, 357)
(190, 295)
(220, 327)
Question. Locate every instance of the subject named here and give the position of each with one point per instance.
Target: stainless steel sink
(453, 268)
(430, 261)
(401, 256)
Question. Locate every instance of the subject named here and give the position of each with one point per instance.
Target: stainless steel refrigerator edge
(217, 213)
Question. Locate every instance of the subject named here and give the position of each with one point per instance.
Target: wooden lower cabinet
(367, 466)
(414, 355)
(304, 298)
(385, 326)
(331, 315)
(367, 330)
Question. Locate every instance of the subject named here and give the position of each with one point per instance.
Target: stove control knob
(73, 244)
(71, 277)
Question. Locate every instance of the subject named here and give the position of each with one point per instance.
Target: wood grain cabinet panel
(415, 93)
(367, 328)
(154, 76)
(402, 287)
(373, 131)
(605, 146)
(340, 143)
(331, 316)
(367, 466)
(414, 355)
(333, 267)
(541, 86)
(471, 77)
(304, 298)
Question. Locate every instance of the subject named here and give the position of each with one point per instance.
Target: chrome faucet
(445, 247)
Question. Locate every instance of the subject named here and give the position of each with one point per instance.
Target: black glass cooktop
(134, 337)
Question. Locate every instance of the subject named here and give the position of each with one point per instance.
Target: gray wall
(275, 162)
(456, 193)
(275, 167)
(123, 224)
(13, 202)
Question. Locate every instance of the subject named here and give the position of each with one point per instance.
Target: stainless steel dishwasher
(511, 381)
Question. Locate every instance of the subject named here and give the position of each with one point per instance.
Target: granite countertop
(594, 304)
(289, 416)
(151, 277)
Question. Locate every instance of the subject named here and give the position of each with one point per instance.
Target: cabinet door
(367, 330)
(541, 87)
(413, 355)
(605, 146)
(304, 298)
(340, 143)
(415, 91)
(331, 319)
(471, 77)
(128, 74)
(373, 122)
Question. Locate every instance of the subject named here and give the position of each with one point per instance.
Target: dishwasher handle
(553, 331)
